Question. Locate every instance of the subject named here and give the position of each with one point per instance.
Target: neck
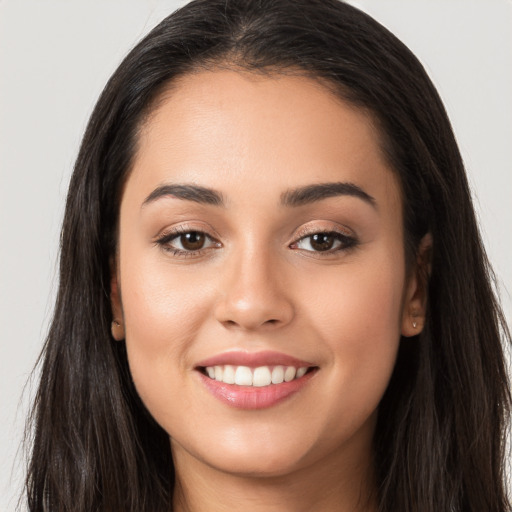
(327, 486)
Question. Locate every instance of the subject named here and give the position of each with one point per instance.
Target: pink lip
(253, 360)
(248, 397)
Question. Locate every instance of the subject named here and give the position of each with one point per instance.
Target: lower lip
(250, 397)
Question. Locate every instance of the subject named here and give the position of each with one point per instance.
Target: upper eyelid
(171, 235)
(347, 243)
(181, 229)
(341, 236)
(305, 231)
(164, 241)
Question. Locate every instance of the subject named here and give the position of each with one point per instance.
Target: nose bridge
(253, 293)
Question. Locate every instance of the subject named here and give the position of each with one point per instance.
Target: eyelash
(345, 242)
(164, 241)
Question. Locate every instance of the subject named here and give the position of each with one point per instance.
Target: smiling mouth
(261, 376)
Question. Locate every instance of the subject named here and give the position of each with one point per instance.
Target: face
(260, 276)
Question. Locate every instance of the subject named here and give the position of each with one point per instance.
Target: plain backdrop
(55, 57)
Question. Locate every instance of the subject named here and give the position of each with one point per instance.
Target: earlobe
(117, 325)
(416, 294)
(117, 330)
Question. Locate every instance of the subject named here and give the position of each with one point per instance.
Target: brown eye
(192, 241)
(187, 243)
(322, 241)
(328, 242)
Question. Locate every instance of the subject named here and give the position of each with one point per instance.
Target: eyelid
(346, 238)
(186, 227)
(165, 239)
(166, 236)
(328, 227)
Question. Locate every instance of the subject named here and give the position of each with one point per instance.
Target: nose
(255, 294)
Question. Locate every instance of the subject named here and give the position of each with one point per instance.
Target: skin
(258, 284)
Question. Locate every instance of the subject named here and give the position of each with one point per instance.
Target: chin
(248, 455)
(259, 465)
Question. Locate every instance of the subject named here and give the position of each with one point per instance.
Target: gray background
(55, 56)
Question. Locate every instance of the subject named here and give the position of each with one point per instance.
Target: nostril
(233, 323)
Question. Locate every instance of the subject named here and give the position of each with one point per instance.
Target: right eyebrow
(187, 192)
(319, 191)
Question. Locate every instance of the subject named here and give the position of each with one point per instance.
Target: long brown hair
(439, 441)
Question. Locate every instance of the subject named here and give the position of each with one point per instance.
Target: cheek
(357, 317)
(163, 311)
(361, 302)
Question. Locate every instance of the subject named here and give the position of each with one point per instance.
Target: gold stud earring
(414, 315)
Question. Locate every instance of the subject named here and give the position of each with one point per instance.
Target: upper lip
(253, 359)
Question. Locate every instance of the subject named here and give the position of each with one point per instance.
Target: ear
(117, 326)
(416, 293)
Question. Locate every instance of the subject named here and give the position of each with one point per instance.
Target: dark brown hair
(439, 442)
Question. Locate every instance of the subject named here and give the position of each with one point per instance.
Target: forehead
(240, 130)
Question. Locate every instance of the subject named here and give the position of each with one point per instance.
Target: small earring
(414, 324)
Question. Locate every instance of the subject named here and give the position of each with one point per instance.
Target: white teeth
(243, 376)
(277, 375)
(289, 373)
(301, 372)
(262, 377)
(257, 377)
(229, 374)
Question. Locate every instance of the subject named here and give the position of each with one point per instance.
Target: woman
(273, 292)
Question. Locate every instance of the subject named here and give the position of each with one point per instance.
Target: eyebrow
(317, 192)
(291, 198)
(187, 192)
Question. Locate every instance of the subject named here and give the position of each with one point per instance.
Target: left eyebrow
(317, 192)
(187, 192)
